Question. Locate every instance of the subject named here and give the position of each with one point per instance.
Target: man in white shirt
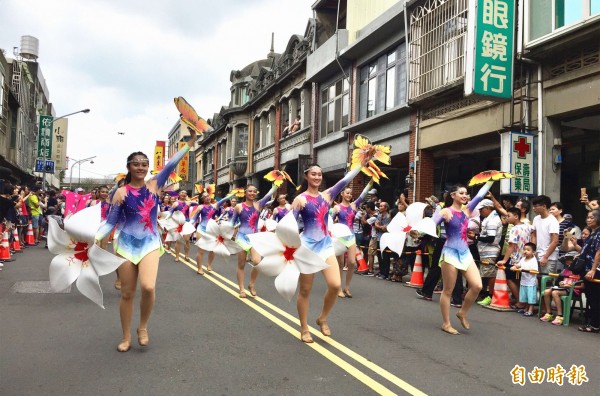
(488, 245)
(544, 233)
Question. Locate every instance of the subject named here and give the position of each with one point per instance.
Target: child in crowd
(528, 289)
(564, 282)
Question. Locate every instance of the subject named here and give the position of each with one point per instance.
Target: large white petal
(426, 226)
(188, 228)
(232, 247)
(398, 223)
(266, 243)
(88, 285)
(414, 212)
(271, 265)
(64, 269)
(287, 231)
(57, 237)
(309, 262)
(338, 247)
(226, 229)
(270, 224)
(172, 236)
(104, 262)
(339, 230)
(393, 241)
(221, 250)
(178, 217)
(83, 225)
(286, 283)
(170, 224)
(207, 242)
(212, 227)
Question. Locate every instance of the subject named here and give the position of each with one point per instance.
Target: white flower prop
(163, 220)
(217, 238)
(338, 231)
(401, 224)
(78, 257)
(284, 256)
(266, 225)
(177, 227)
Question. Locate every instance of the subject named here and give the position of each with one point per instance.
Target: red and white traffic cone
(500, 299)
(5, 248)
(416, 278)
(16, 244)
(362, 264)
(29, 238)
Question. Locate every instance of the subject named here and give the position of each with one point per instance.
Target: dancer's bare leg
(255, 257)
(474, 281)
(211, 258)
(332, 279)
(199, 259)
(241, 263)
(186, 238)
(177, 250)
(304, 287)
(147, 271)
(340, 261)
(350, 272)
(449, 274)
(128, 273)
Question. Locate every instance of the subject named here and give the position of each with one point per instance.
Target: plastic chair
(543, 286)
(569, 303)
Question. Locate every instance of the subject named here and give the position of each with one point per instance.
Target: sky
(126, 61)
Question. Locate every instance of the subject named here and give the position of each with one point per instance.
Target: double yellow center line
(232, 288)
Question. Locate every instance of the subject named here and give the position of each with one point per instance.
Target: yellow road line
(352, 370)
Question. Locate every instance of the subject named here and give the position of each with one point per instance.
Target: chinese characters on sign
(159, 155)
(554, 375)
(489, 59)
(59, 142)
(521, 163)
(44, 146)
(182, 168)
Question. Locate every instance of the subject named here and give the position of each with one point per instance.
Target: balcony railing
(295, 139)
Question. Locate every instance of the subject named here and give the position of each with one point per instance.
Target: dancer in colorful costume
(247, 213)
(184, 206)
(203, 214)
(282, 208)
(103, 201)
(455, 253)
(345, 213)
(139, 239)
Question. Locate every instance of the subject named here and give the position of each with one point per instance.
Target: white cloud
(127, 60)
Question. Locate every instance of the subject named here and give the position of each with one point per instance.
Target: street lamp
(51, 129)
(76, 163)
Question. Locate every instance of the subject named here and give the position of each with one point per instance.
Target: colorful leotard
(281, 212)
(205, 213)
(346, 214)
(456, 249)
(104, 208)
(139, 234)
(184, 207)
(315, 215)
(248, 218)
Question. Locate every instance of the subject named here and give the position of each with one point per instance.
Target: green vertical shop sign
(490, 43)
(44, 142)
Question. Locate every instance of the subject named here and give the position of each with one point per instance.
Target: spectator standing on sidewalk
(545, 235)
(383, 219)
(488, 245)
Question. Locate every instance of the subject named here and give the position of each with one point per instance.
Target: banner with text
(490, 43)
(44, 141)
(59, 142)
(182, 168)
(159, 155)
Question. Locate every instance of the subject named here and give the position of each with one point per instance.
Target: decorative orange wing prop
(199, 188)
(194, 198)
(365, 150)
(190, 117)
(238, 192)
(489, 175)
(278, 177)
(120, 176)
(210, 190)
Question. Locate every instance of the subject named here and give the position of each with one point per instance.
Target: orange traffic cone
(5, 249)
(16, 244)
(362, 264)
(416, 279)
(29, 238)
(500, 299)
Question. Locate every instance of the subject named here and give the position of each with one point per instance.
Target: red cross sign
(521, 147)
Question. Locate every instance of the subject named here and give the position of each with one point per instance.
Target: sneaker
(546, 318)
(382, 277)
(369, 274)
(456, 305)
(345, 268)
(527, 313)
(422, 296)
(558, 321)
(486, 301)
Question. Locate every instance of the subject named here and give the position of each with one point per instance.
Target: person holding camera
(590, 254)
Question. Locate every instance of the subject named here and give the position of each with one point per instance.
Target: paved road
(205, 340)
